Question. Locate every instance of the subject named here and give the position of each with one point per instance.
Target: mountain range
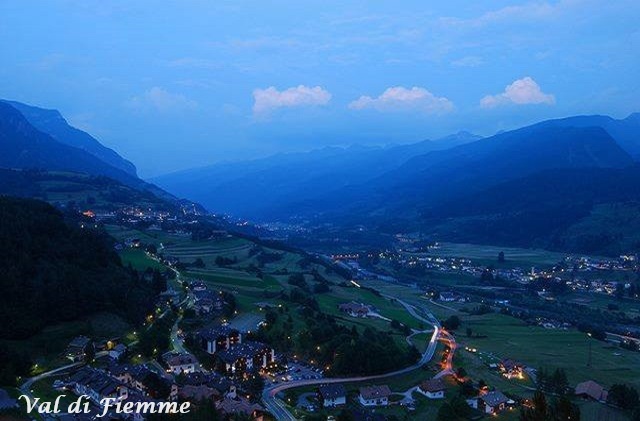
(530, 186)
(566, 184)
(266, 188)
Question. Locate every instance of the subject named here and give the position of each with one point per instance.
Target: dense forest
(51, 270)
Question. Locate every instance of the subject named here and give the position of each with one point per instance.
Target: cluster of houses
(488, 402)
(236, 355)
(137, 383)
(123, 386)
(206, 301)
(334, 394)
(180, 363)
(354, 309)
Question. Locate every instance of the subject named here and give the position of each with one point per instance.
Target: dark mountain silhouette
(626, 131)
(23, 146)
(591, 210)
(52, 123)
(429, 179)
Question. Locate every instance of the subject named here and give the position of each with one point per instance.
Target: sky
(179, 84)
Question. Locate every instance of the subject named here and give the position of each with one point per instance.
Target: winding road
(278, 409)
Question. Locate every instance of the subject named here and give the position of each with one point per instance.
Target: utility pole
(589, 360)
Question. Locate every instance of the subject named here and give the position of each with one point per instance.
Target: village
(204, 351)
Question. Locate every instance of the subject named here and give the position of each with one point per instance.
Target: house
(198, 393)
(78, 348)
(239, 405)
(97, 385)
(179, 363)
(6, 402)
(511, 369)
(140, 378)
(212, 380)
(374, 395)
(591, 390)
(432, 389)
(118, 351)
(204, 306)
(332, 395)
(354, 309)
(492, 402)
(447, 296)
(245, 357)
(219, 338)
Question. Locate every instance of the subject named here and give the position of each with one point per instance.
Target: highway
(278, 409)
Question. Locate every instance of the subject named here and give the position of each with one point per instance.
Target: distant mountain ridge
(494, 190)
(261, 187)
(53, 123)
(625, 131)
(24, 146)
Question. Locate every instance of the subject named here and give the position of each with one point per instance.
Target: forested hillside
(53, 271)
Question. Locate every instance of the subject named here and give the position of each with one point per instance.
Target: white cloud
(468, 61)
(270, 99)
(161, 100)
(520, 92)
(399, 98)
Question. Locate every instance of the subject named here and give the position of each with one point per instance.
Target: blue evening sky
(177, 84)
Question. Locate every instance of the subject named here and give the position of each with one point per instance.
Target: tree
(455, 409)
(564, 410)
(555, 382)
(501, 257)
(469, 332)
(623, 396)
(559, 381)
(253, 385)
(487, 276)
(345, 415)
(452, 323)
(539, 410)
(90, 353)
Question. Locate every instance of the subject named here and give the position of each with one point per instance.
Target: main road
(277, 408)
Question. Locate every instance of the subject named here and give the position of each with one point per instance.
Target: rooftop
(332, 391)
(592, 390)
(375, 392)
(494, 398)
(433, 385)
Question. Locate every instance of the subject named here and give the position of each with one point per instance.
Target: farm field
(601, 301)
(139, 260)
(537, 347)
(489, 254)
(329, 303)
